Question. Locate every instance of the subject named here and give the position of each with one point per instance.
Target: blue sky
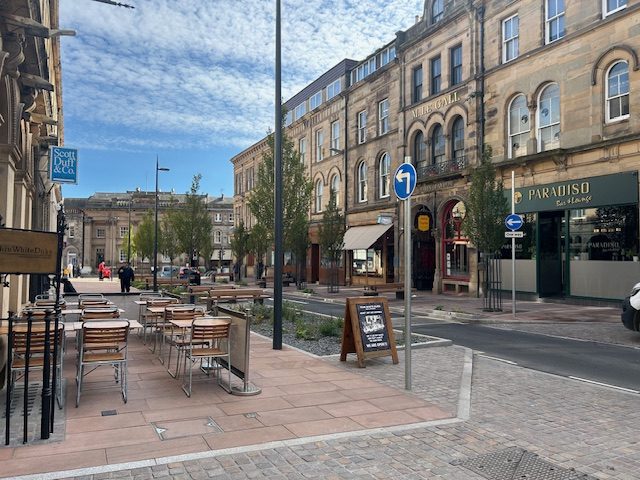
(192, 81)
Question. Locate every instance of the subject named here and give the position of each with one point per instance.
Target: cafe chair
(97, 313)
(179, 338)
(163, 325)
(209, 339)
(103, 343)
(150, 319)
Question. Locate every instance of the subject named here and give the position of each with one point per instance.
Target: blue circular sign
(513, 222)
(404, 180)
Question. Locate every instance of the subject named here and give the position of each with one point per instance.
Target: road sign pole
(513, 247)
(407, 289)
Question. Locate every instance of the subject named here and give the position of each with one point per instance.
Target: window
(437, 145)
(335, 136)
(302, 148)
(436, 75)
(383, 171)
(300, 110)
(319, 189)
(231, 218)
(618, 92)
(419, 152)
(417, 84)
(335, 187)
(383, 116)
(123, 255)
(549, 118)
(250, 179)
(289, 119)
(238, 183)
(315, 101)
(457, 136)
(72, 231)
(124, 231)
(218, 217)
(437, 11)
(387, 55)
(99, 255)
(519, 127)
(362, 182)
(612, 6)
(554, 20)
(334, 89)
(217, 238)
(456, 65)
(319, 147)
(510, 29)
(364, 70)
(362, 126)
(101, 233)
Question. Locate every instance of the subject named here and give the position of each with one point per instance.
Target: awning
(361, 238)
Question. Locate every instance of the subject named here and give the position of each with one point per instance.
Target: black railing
(442, 168)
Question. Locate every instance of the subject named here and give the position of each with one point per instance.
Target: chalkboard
(368, 331)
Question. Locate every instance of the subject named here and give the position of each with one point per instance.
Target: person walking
(126, 276)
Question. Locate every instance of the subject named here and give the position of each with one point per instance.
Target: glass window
(457, 136)
(362, 182)
(383, 169)
(417, 84)
(289, 119)
(319, 147)
(231, 218)
(319, 188)
(510, 31)
(218, 217)
(383, 116)
(100, 233)
(456, 65)
(387, 55)
(315, 101)
(335, 136)
(123, 255)
(335, 187)
(334, 89)
(362, 126)
(554, 21)
(618, 91)
(72, 231)
(300, 110)
(549, 118)
(302, 148)
(437, 11)
(519, 127)
(419, 152)
(437, 145)
(455, 252)
(218, 237)
(124, 231)
(612, 6)
(436, 75)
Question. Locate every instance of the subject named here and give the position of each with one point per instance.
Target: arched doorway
(424, 249)
(455, 255)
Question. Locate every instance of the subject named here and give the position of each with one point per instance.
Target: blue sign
(514, 222)
(404, 180)
(63, 165)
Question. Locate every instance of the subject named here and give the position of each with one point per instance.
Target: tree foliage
(144, 236)
(125, 245)
(332, 230)
(259, 241)
(239, 244)
(486, 208)
(169, 244)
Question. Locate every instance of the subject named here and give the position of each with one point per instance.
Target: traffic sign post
(514, 222)
(404, 183)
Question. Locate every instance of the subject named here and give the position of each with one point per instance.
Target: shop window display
(456, 255)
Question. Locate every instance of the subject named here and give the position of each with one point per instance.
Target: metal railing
(442, 168)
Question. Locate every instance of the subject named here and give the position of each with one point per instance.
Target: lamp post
(278, 250)
(155, 236)
(129, 235)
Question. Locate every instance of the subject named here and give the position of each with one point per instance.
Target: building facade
(548, 85)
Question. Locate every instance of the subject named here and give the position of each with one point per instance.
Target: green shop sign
(616, 189)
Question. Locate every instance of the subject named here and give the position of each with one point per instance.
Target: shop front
(581, 238)
(370, 254)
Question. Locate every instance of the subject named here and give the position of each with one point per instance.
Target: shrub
(243, 283)
(308, 290)
(261, 313)
(331, 327)
(306, 328)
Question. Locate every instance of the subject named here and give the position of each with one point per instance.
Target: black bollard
(27, 355)
(46, 379)
(7, 411)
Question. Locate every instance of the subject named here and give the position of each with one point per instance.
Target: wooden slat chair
(48, 303)
(177, 338)
(145, 297)
(93, 302)
(97, 313)
(93, 353)
(208, 340)
(163, 326)
(150, 319)
(36, 352)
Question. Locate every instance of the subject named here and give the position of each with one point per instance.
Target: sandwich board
(368, 331)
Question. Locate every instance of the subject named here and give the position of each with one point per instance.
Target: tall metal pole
(155, 237)
(129, 234)
(513, 247)
(83, 230)
(277, 164)
(407, 289)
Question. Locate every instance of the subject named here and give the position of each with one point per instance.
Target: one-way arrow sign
(513, 221)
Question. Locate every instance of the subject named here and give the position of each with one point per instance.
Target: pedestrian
(121, 277)
(101, 267)
(126, 276)
(70, 268)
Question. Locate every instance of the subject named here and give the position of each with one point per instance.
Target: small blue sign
(514, 222)
(63, 165)
(404, 180)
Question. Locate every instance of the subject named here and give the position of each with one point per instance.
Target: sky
(192, 82)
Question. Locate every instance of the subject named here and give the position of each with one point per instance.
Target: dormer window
(437, 11)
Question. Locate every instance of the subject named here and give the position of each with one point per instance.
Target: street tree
(169, 244)
(331, 238)
(239, 245)
(144, 236)
(129, 240)
(259, 245)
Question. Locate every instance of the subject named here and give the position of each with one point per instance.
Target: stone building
(30, 122)
(548, 85)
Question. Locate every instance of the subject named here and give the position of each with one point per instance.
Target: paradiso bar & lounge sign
(436, 105)
(615, 189)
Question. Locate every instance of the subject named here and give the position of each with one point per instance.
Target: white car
(631, 309)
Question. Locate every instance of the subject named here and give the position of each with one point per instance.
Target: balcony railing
(442, 168)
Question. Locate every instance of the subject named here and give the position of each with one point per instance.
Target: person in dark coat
(126, 276)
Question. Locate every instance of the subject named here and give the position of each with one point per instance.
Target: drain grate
(518, 464)
(17, 399)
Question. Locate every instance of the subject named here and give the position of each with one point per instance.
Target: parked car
(191, 274)
(168, 271)
(631, 309)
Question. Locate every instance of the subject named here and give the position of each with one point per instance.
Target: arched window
(457, 139)
(455, 261)
(362, 182)
(419, 152)
(437, 145)
(334, 185)
(384, 165)
(549, 118)
(319, 189)
(519, 126)
(437, 11)
(618, 91)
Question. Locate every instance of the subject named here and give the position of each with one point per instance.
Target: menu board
(368, 331)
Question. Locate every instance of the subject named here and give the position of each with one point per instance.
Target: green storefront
(581, 238)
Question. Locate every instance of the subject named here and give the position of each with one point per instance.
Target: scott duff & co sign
(63, 165)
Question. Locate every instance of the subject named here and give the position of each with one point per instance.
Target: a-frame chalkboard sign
(368, 331)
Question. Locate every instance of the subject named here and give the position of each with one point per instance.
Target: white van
(169, 271)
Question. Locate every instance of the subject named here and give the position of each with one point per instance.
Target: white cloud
(199, 73)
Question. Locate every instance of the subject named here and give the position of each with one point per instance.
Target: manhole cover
(518, 464)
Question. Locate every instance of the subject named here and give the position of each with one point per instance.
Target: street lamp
(155, 236)
(129, 235)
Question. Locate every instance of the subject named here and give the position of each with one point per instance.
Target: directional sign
(513, 234)
(404, 181)
(513, 221)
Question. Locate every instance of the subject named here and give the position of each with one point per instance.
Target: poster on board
(27, 251)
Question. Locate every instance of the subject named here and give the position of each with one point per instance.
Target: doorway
(424, 250)
(315, 263)
(551, 253)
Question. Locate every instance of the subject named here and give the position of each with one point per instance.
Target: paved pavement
(491, 406)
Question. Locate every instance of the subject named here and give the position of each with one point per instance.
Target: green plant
(261, 313)
(308, 290)
(439, 307)
(242, 283)
(331, 327)
(290, 312)
(306, 328)
(224, 280)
